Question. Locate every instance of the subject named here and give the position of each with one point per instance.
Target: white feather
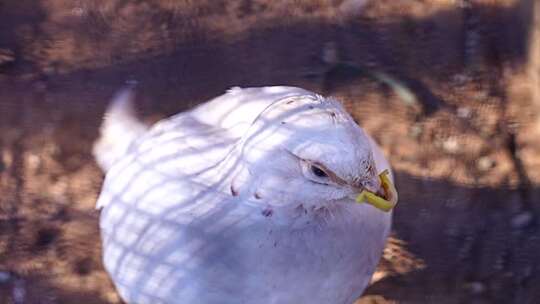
(210, 205)
(119, 129)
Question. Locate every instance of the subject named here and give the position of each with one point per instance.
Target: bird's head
(307, 150)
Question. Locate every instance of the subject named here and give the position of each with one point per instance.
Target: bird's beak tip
(385, 198)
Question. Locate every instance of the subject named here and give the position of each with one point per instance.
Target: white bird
(248, 198)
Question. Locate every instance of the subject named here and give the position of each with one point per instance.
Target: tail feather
(119, 129)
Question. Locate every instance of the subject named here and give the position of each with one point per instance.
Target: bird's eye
(318, 172)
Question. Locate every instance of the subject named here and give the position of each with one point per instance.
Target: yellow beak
(382, 203)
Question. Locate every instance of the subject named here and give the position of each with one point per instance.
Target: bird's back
(238, 108)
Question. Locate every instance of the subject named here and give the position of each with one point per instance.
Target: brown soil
(463, 143)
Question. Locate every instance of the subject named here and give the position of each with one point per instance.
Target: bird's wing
(180, 149)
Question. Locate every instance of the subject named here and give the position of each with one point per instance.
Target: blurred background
(449, 88)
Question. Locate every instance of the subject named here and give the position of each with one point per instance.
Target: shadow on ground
(473, 243)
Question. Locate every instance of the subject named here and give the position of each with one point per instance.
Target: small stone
(481, 95)
(6, 56)
(451, 145)
(78, 11)
(330, 53)
(113, 298)
(460, 79)
(464, 112)
(485, 163)
(522, 220)
(476, 288)
(379, 275)
(415, 131)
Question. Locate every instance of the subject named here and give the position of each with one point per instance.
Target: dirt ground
(440, 84)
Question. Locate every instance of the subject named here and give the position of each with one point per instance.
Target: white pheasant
(248, 198)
